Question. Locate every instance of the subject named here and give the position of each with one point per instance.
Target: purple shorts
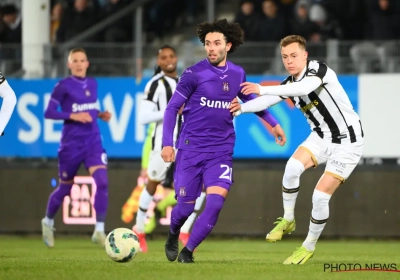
(193, 169)
(71, 158)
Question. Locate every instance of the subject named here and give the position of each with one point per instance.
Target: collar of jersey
(303, 73)
(219, 71)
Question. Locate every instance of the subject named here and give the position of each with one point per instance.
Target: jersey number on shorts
(227, 173)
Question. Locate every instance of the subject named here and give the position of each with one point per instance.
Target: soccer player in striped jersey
(207, 138)
(158, 92)
(336, 137)
(80, 142)
(8, 105)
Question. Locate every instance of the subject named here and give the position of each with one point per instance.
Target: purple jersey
(75, 95)
(207, 92)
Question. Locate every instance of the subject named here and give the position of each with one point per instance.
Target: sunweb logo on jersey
(83, 107)
(214, 103)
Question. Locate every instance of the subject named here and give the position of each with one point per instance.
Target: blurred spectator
(121, 30)
(13, 29)
(287, 7)
(384, 22)
(56, 14)
(329, 28)
(247, 20)
(301, 24)
(192, 9)
(272, 25)
(161, 16)
(76, 20)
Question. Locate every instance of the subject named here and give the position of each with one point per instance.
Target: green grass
(78, 258)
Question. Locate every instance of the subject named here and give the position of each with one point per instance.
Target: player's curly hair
(232, 31)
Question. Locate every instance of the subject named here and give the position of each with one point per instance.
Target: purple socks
(101, 197)
(206, 221)
(56, 199)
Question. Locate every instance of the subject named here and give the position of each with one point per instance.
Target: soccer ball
(122, 245)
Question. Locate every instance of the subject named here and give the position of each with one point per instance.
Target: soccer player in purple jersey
(80, 142)
(207, 138)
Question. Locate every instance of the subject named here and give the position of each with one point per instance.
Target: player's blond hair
(76, 50)
(293, 39)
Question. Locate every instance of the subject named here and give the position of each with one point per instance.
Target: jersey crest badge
(182, 192)
(225, 86)
(87, 92)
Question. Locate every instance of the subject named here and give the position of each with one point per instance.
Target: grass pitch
(77, 258)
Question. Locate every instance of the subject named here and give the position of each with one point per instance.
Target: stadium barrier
(365, 206)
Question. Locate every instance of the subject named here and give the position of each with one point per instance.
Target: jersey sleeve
(57, 97)
(262, 113)
(186, 86)
(147, 147)
(8, 105)
(150, 91)
(317, 69)
(187, 83)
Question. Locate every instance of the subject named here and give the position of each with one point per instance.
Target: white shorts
(341, 159)
(157, 168)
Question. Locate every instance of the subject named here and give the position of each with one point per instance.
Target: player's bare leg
(301, 160)
(146, 197)
(99, 174)
(55, 200)
(319, 216)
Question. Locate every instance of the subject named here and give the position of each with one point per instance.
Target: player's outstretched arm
(8, 105)
(304, 87)
(149, 113)
(258, 104)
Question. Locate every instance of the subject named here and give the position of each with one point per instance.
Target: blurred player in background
(158, 92)
(80, 142)
(8, 105)
(207, 138)
(336, 138)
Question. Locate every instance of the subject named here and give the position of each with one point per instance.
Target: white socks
(144, 202)
(319, 217)
(49, 222)
(99, 226)
(291, 182)
(289, 202)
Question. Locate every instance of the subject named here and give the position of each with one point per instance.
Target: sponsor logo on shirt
(83, 107)
(214, 103)
(309, 106)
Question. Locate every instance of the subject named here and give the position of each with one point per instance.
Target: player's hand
(279, 134)
(235, 107)
(83, 117)
(168, 154)
(249, 88)
(105, 116)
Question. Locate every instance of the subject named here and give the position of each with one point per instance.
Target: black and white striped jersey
(328, 109)
(158, 92)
